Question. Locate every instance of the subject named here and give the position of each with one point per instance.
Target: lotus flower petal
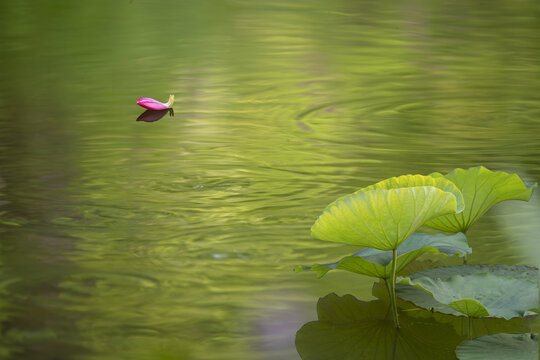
(152, 104)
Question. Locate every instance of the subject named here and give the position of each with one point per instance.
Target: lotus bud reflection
(152, 104)
(154, 115)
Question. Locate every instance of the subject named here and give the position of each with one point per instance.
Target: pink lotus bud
(152, 104)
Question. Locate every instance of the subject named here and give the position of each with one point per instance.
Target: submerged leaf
(377, 263)
(481, 188)
(383, 215)
(350, 329)
(500, 347)
(474, 290)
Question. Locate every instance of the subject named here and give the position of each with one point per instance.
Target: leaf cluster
(384, 219)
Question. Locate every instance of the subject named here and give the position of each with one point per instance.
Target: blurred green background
(177, 239)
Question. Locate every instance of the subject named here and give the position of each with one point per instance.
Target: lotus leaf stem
(394, 347)
(393, 286)
(387, 285)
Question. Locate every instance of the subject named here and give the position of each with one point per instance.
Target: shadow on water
(349, 328)
(154, 115)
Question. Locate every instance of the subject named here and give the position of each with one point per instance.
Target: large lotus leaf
(481, 188)
(405, 181)
(378, 263)
(500, 347)
(520, 272)
(462, 325)
(350, 329)
(382, 218)
(481, 293)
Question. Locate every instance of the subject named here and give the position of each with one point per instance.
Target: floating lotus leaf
(377, 263)
(476, 326)
(350, 329)
(474, 290)
(383, 216)
(481, 188)
(520, 272)
(500, 347)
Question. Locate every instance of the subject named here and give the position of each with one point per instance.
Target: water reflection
(352, 329)
(154, 115)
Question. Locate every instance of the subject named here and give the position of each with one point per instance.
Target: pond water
(176, 239)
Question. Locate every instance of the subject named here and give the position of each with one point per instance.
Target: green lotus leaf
(350, 329)
(500, 347)
(474, 290)
(383, 218)
(481, 188)
(405, 181)
(470, 307)
(378, 263)
(476, 326)
(520, 272)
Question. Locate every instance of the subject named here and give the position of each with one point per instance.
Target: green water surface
(176, 239)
